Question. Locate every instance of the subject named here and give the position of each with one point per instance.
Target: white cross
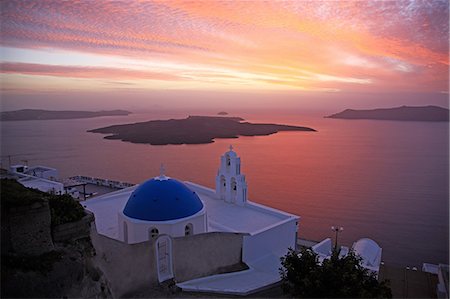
(162, 170)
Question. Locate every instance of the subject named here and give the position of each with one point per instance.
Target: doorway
(164, 258)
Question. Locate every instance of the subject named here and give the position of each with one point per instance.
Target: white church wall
(198, 225)
(273, 241)
(140, 231)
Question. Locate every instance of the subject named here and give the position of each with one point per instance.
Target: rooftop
(106, 205)
(250, 219)
(37, 169)
(40, 183)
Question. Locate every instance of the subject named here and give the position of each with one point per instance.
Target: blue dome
(161, 200)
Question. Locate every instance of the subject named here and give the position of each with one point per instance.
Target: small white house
(367, 249)
(38, 177)
(165, 212)
(370, 253)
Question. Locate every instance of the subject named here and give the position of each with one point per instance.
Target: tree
(303, 276)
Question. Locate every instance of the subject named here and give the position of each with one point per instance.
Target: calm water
(384, 180)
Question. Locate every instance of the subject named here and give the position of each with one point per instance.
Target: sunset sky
(301, 51)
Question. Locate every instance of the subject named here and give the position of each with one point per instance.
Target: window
(153, 233)
(188, 230)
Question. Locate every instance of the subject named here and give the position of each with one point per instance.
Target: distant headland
(222, 113)
(191, 130)
(38, 114)
(403, 113)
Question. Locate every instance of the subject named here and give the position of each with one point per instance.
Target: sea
(384, 180)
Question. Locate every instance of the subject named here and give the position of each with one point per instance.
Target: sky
(166, 54)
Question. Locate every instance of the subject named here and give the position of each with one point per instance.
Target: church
(201, 239)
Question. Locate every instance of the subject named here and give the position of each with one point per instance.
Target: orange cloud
(309, 45)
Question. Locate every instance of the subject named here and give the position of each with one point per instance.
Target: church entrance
(164, 258)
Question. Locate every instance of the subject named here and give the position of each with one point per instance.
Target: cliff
(46, 247)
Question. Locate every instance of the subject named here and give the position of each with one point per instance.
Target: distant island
(191, 130)
(38, 114)
(222, 113)
(403, 113)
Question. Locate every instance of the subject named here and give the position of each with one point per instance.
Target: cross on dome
(162, 170)
(231, 148)
(162, 174)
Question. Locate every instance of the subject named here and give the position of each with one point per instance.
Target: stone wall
(205, 254)
(131, 268)
(127, 267)
(28, 229)
(73, 230)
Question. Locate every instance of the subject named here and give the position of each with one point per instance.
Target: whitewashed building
(367, 249)
(220, 225)
(38, 177)
(370, 253)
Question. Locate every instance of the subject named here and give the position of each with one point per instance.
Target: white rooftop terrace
(38, 169)
(41, 184)
(251, 218)
(257, 277)
(105, 208)
(222, 216)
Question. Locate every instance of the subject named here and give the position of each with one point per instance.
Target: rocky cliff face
(35, 264)
(67, 272)
(28, 229)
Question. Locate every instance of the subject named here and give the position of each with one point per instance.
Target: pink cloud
(82, 72)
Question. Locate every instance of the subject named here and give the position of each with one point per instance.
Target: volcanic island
(191, 130)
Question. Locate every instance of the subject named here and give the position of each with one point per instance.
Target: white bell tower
(230, 183)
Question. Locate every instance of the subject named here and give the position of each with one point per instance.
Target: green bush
(64, 209)
(302, 276)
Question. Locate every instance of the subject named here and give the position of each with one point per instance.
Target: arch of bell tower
(230, 183)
